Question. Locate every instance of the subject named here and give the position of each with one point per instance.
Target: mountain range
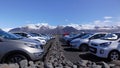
(45, 28)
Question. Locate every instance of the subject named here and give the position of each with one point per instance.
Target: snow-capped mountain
(46, 28)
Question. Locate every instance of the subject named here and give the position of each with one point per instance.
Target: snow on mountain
(7, 29)
(40, 25)
(45, 26)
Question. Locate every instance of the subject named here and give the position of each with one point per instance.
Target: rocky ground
(58, 56)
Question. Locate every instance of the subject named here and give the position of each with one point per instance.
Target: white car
(30, 36)
(108, 47)
(83, 42)
(26, 39)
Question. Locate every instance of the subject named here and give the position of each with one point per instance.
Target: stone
(116, 62)
(49, 65)
(4, 66)
(39, 64)
(74, 66)
(32, 65)
(96, 66)
(83, 62)
(24, 64)
(67, 67)
(116, 67)
(14, 65)
(111, 65)
(105, 65)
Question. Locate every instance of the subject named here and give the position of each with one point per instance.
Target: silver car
(13, 50)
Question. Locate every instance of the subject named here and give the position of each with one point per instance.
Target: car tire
(15, 58)
(83, 47)
(114, 55)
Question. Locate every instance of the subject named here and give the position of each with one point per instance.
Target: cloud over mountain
(106, 23)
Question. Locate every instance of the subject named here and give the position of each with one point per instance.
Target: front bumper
(35, 54)
(100, 52)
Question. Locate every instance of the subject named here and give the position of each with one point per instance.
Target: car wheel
(114, 55)
(16, 58)
(83, 47)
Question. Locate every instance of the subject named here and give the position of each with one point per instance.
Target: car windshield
(110, 37)
(78, 35)
(86, 36)
(19, 36)
(7, 35)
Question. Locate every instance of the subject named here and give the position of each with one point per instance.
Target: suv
(13, 50)
(82, 43)
(107, 47)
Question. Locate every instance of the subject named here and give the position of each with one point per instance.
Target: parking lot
(75, 55)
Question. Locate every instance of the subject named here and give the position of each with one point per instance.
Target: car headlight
(36, 40)
(32, 45)
(105, 44)
(41, 38)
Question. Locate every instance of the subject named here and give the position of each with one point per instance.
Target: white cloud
(108, 17)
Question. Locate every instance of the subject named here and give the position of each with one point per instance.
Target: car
(107, 47)
(43, 36)
(13, 50)
(31, 36)
(26, 39)
(82, 43)
(69, 39)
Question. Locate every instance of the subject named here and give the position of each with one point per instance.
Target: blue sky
(15, 13)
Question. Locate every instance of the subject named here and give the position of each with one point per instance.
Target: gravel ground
(75, 55)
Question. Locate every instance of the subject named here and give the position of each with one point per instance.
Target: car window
(7, 35)
(22, 34)
(97, 36)
(110, 36)
(34, 34)
(86, 36)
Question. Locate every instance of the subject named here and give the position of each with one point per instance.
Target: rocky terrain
(57, 56)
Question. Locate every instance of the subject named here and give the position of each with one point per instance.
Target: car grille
(93, 50)
(93, 44)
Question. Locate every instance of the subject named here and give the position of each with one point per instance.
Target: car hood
(31, 40)
(20, 42)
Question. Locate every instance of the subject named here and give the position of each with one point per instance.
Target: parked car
(43, 36)
(13, 50)
(31, 36)
(82, 43)
(69, 39)
(107, 47)
(26, 39)
(66, 37)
